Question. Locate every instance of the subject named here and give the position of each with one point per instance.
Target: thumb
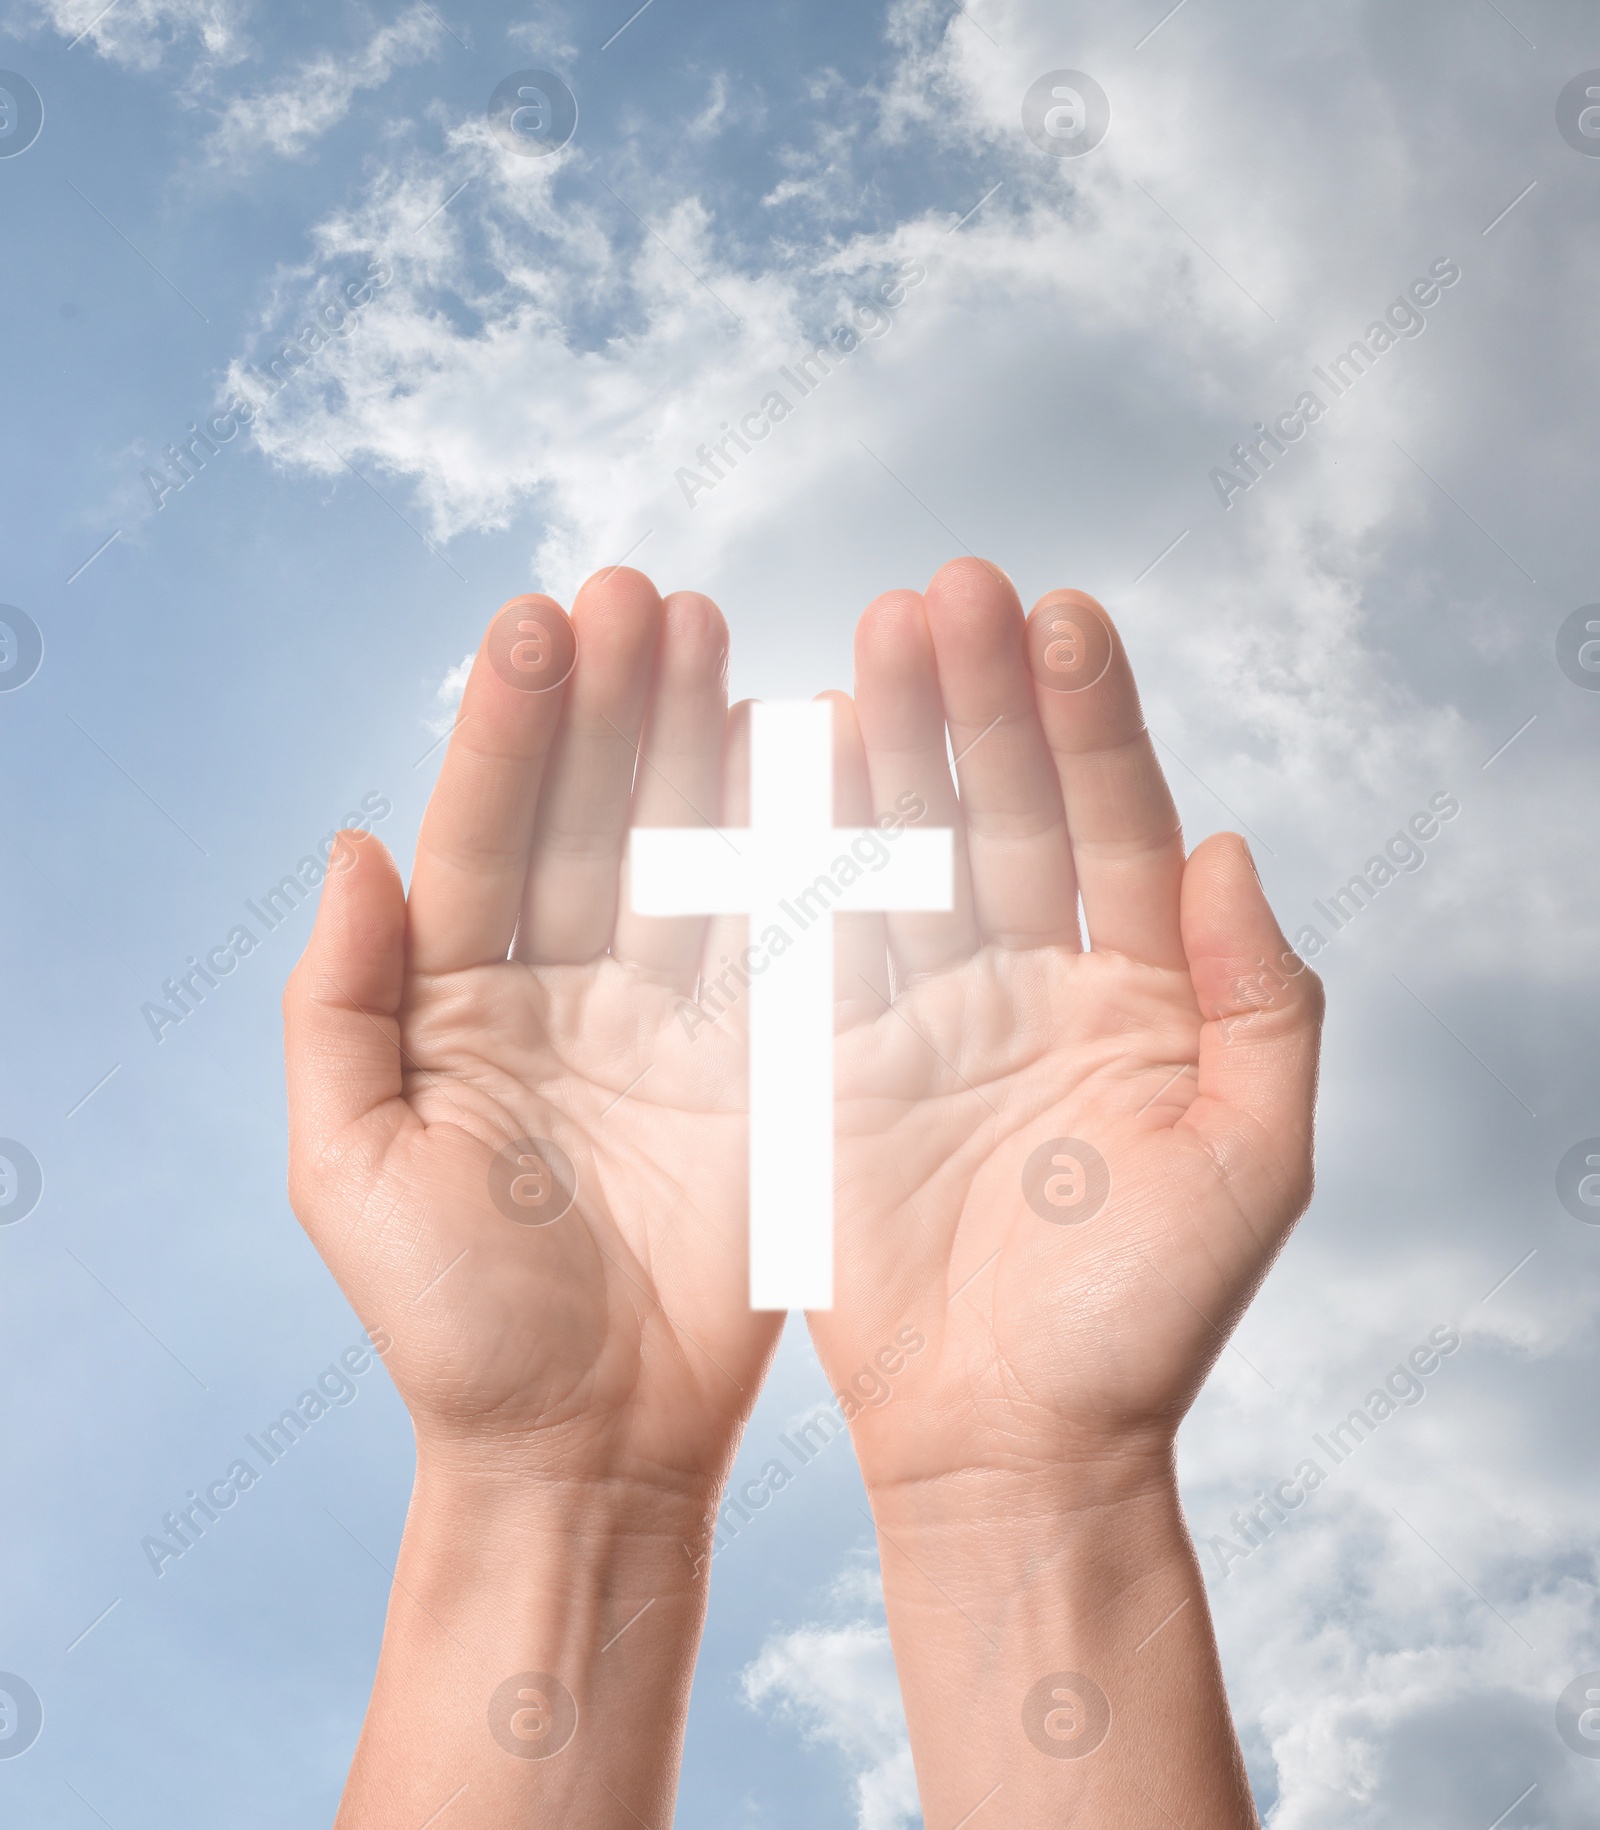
(1262, 1006)
(341, 1005)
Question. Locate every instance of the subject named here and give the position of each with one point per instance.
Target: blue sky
(1361, 630)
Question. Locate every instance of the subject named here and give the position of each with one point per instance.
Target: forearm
(590, 1599)
(1056, 1656)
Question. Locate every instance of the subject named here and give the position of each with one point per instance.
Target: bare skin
(1021, 1472)
(578, 1387)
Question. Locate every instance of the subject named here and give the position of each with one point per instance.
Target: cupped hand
(1062, 1170)
(437, 1041)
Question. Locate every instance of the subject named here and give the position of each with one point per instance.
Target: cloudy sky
(531, 351)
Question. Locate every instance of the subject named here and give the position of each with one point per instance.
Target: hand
(1066, 1337)
(1181, 1048)
(577, 1388)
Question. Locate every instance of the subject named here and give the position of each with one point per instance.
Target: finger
(569, 904)
(724, 982)
(860, 941)
(1024, 890)
(1127, 844)
(901, 716)
(680, 771)
(1262, 1007)
(341, 1015)
(472, 853)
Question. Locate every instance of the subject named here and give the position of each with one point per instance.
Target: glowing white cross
(785, 861)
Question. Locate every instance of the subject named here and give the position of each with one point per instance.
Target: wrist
(553, 1559)
(1052, 1637)
(546, 1629)
(1034, 1560)
(1122, 1488)
(595, 1584)
(614, 1513)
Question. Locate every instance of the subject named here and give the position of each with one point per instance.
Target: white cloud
(548, 38)
(141, 32)
(1385, 1692)
(287, 118)
(837, 1682)
(509, 411)
(711, 119)
(1083, 352)
(448, 695)
(1373, 1685)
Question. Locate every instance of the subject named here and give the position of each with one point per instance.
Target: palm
(1045, 1329)
(1022, 1318)
(559, 1315)
(614, 1336)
